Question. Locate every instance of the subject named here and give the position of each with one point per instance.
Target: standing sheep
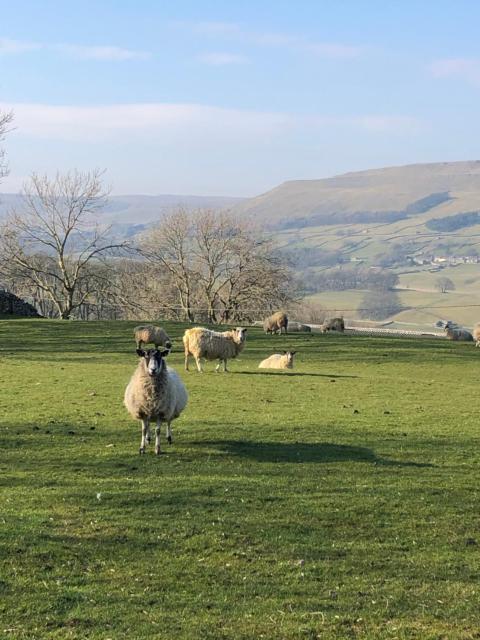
(476, 334)
(333, 324)
(278, 361)
(151, 333)
(456, 333)
(276, 323)
(213, 345)
(155, 392)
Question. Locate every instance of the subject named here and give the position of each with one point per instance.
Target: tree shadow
(302, 452)
(293, 374)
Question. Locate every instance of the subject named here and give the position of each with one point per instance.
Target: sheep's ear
(141, 353)
(284, 352)
(292, 353)
(164, 352)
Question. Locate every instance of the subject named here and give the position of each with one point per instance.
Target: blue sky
(233, 98)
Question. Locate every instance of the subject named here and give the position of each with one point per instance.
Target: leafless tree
(220, 267)
(6, 119)
(54, 243)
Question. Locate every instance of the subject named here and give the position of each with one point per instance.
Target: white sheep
(476, 334)
(155, 392)
(278, 361)
(151, 333)
(213, 345)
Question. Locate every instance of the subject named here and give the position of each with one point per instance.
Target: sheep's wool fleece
(204, 343)
(276, 361)
(163, 396)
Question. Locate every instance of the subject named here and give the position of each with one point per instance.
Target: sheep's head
(239, 335)
(153, 360)
(289, 355)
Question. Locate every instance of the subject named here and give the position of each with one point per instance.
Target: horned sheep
(278, 361)
(276, 322)
(213, 345)
(155, 392)
(151, 333)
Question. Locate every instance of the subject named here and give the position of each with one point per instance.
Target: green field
(417, 292)
(339, 500)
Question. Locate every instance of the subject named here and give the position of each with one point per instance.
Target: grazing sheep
(151, 333)
(333, 324)
(276, 323)
(213, 345)
(456, 333)
(476, 334)
(155, 392)
(278, 361)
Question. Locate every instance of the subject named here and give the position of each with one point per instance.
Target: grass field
(339, 500)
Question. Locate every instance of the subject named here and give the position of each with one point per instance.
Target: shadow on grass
(321, 452)
(293, 374)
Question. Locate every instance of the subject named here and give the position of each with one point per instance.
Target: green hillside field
(417, 291)
(338, 500)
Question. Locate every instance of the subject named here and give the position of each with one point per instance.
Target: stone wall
(11, 304)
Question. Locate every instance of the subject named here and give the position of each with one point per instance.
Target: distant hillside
(373, 216)
(454, 186)
(139, 209)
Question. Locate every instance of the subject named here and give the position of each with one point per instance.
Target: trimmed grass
(339, 500)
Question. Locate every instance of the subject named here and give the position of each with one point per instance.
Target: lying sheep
(155, 392)
(476, 334)
(276, 323)
(457, 333)
(151, 333)
(213, 345)
(298, 326)
(333, 324)
(278, 361)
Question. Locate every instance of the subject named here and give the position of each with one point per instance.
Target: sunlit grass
(339, 500)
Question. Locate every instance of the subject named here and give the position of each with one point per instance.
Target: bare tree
(53, 244)
(220, 267)
(6, 119)
(169, 245)
(444, 284)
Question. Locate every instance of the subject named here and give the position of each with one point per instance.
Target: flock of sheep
(156, 392)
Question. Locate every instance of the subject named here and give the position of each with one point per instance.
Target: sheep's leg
(157, 437)
(169, 433)
(145, 434)
(199, 364)
(186, 360)
(225, 365)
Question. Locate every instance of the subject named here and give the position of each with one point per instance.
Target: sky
(233, 98)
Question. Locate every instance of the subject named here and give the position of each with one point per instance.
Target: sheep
(456, 333)
(155, 392)
(476, 334)
(276, 323)
(333, 324)
(213, 345)
(298, 326)
(151, 333)
(278, 361)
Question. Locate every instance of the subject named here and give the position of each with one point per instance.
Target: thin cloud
(115, 54)
(11, 47)
(172, 121)
(219, 58)
(286, 41)
(465, 68)
(82, 52)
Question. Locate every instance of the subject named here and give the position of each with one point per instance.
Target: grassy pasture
(340, 500)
